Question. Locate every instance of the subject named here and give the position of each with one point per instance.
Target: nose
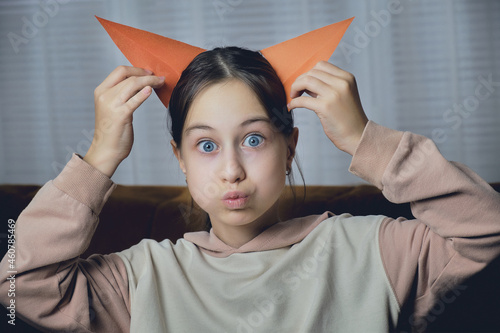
(232, 170)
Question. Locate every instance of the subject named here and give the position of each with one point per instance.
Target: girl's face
(234, 159)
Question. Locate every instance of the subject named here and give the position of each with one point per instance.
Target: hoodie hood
(279, 235)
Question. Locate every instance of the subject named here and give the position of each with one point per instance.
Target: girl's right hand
(116, 99)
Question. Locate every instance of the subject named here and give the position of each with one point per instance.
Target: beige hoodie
(456, 233)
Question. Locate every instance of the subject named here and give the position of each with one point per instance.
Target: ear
(292, 145)
(177, 153)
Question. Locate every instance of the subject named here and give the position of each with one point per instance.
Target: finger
(135, 101)
(335, 82)
(307, 102)
(310, 83)
(130, 87)
(333, 70)
(326, 77)
(121, 73)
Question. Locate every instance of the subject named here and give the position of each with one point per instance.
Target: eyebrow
(208, 128)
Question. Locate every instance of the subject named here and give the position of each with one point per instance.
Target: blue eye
(206, 146)
(253, 140)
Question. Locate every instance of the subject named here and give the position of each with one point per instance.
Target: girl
(235, 143)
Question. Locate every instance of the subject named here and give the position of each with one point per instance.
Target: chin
(234, 218)
(239, 217)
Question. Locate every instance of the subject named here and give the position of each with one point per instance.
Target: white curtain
(430, 67)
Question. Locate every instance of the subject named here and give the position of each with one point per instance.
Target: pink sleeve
(56, 290)
(457, 228)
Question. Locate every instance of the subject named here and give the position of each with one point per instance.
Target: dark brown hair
(225, 63)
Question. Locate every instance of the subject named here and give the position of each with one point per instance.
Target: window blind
(428, 67)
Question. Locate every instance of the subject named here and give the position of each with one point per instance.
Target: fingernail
(149, 71)
(147, 90)
(162, 78)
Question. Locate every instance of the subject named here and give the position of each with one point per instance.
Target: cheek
(268, 171)
(202, 183)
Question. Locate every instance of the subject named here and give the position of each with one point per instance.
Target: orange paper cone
(296, 56)
(168, 57)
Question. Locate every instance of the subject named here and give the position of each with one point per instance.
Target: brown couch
(159, 212)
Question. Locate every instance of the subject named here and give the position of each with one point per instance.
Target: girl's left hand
(335, 99)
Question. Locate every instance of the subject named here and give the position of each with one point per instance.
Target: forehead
(228, 103)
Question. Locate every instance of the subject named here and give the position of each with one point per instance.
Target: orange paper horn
(168, 57)
(164, 56)
(296, 56)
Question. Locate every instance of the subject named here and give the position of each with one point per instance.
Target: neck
(236, 236)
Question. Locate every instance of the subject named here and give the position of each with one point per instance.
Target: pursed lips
(235, 199)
